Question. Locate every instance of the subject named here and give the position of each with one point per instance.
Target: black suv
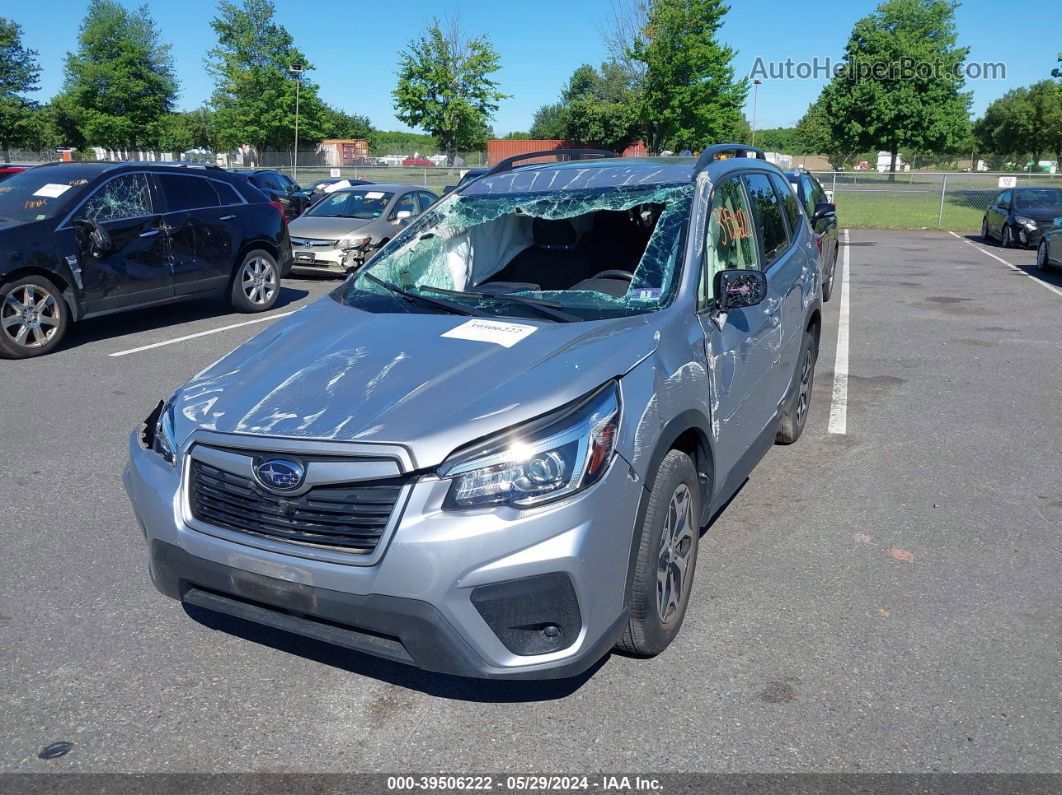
(81, 239)
(279, 188)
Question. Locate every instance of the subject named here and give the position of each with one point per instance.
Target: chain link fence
(433, 178)
(918, 199)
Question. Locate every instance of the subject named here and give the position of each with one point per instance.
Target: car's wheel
(827, 283)
(984, 229)
(795, 415)
(666, 558)
(256, 283)
(1008, 237)
(1042, 262)
(33, 317)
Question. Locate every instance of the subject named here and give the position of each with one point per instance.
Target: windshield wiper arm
(550, 309)
(452, 307)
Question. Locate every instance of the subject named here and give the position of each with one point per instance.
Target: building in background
(344, 151)
(500, 148)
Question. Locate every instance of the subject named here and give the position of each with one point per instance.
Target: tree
(254, 89)
(598, 108)
(19, 74)
(1057, 72)
(548, 123)
(780, 139)
(339, 124)
(399, 142)
(445, 86)
(517, 135)
(819, 136)
(193, 129)
(689, 96)
(121, 82)
(1024, 122)
(901, 85)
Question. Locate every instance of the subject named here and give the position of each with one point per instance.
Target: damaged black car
(79, 240)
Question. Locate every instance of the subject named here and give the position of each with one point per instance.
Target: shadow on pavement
(1052, 276)
(432, 684)
(149, 318)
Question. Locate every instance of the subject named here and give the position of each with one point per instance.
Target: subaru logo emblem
(280, 474)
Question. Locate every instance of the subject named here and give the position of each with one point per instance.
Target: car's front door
(205, 234)
(740, 345)
(135, 269)
(998, 212)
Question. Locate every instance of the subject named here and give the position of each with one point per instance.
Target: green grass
(905, 211)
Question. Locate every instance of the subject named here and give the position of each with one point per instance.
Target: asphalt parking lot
(883, 599)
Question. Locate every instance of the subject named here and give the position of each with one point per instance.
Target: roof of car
(391, 186)
(613, 172)
(101, 166)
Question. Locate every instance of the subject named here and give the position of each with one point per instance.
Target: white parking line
(1013, 267)
(202, 334)
(839, 405)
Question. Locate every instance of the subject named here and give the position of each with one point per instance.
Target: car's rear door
(740, 345)
(205, 234)
(825, 227)
(136, 268)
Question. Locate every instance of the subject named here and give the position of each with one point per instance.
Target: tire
(670, 533)
(1007, 240)
(984, 230)
(256, 282)
(827, 284)
(795, 416)
(34, 317)
(1043, 264)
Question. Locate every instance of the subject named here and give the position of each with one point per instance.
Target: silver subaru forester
(490, 451)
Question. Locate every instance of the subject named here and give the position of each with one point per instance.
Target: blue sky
(354, 46)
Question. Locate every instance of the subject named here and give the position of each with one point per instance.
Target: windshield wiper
(447, 306)
(550, 309)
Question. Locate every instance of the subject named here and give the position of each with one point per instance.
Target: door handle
(149, 233)
(226, 217)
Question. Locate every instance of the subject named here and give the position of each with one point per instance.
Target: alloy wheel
(1041, 256)
(30, 316)
(676, 547)
(259, 280)
(804, 395)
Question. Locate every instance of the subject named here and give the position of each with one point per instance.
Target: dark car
(1049, 252)
(322, 187)
(1020, 216)
(468, 176)
(822, 213)
(278, 187)
(79, 240)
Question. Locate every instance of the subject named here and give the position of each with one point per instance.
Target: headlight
(352, 242)
(158, 431)
(542, 460)
(1021, 219)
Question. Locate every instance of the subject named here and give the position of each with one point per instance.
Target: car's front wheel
(33, 317)
(666, 558)
(795, 415)
(1008, 237)
(984, 230)
(256, 283)
(1042, 261)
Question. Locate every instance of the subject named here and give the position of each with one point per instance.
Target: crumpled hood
(338, 373)
(325, 228)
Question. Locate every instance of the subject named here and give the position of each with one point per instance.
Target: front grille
(347, 517)
(307, 242)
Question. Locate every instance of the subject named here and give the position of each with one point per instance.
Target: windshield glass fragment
(595, 253)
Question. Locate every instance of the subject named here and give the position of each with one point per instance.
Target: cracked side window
(127, 196)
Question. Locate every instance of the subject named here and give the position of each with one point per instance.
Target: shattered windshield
(593, 253)
(352, 204)
(40, 193)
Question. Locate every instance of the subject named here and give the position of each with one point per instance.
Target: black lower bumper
(400, 629)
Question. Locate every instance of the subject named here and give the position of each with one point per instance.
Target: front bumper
(415, 604)
(1030, 236)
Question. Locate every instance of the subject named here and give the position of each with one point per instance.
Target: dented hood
(338, 373)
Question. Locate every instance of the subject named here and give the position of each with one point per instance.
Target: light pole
(296, 69)
(755, 96)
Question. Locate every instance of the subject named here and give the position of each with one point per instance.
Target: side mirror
(823, 209)
(735, 289)
(97, 238)
(402, 216)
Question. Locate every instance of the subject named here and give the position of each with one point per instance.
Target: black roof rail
(711, 154)
(573, 154)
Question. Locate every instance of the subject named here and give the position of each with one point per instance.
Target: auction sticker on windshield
(52, 190)
(505, 334)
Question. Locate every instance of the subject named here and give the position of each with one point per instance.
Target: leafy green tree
(779, 139)
(445, 86)
(1057, 71)
(19, 74)
(193, 129)
(818, 135)
(548, 123)
(598, 108)
(121, 82)
(689, 97)
(399, 142)
(1024, 122)
(254, 90)
(339, 124)
(878, 103)
(517, 135)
